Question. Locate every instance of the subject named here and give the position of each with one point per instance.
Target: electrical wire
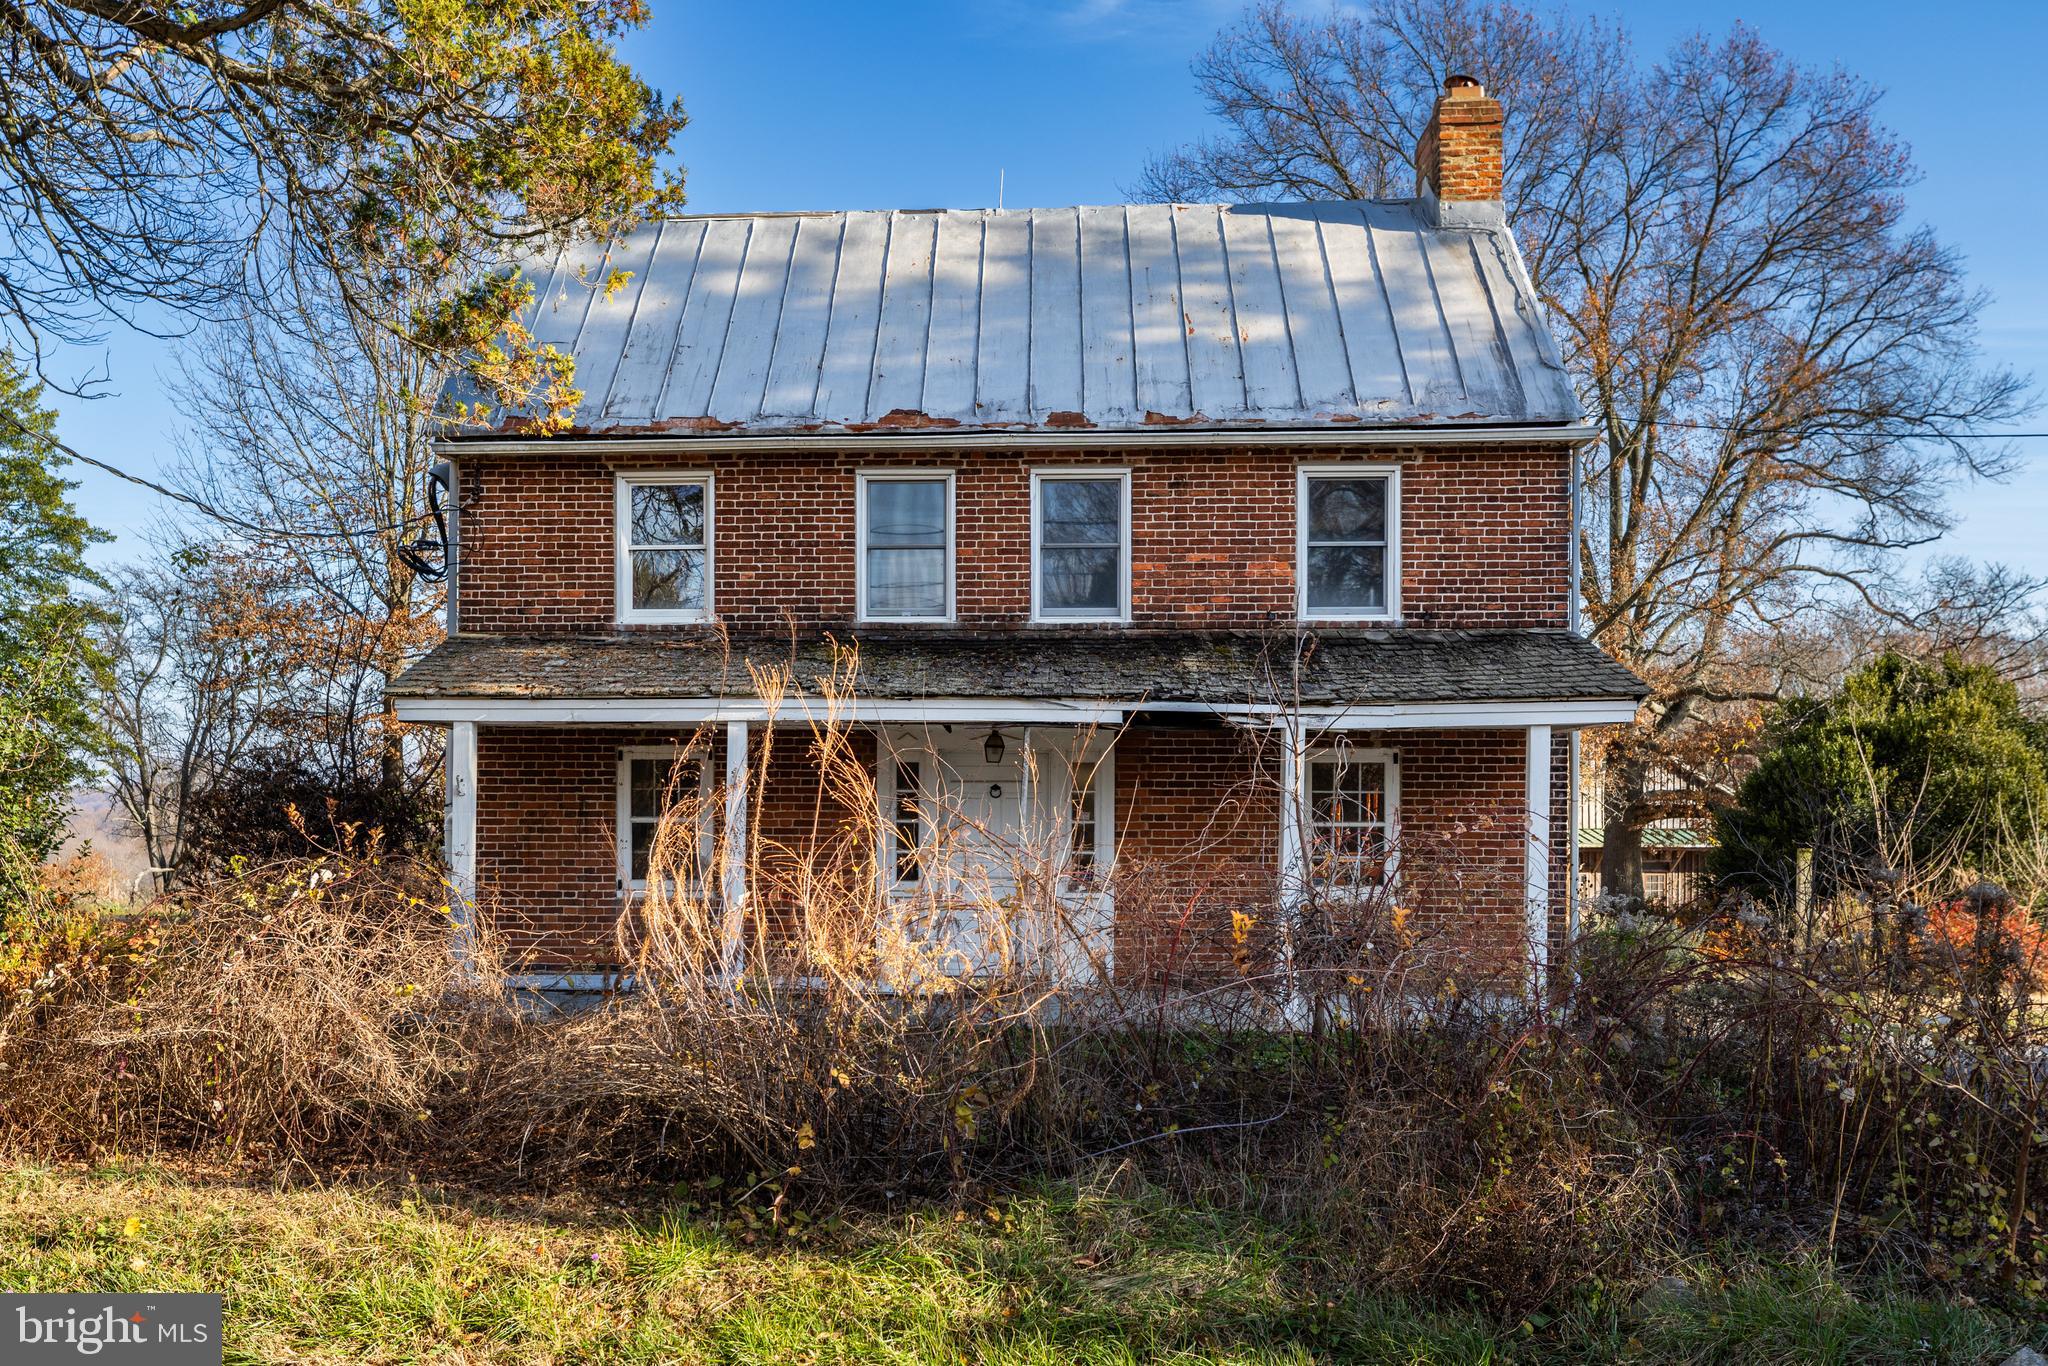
(205, 508)
(1766, 431)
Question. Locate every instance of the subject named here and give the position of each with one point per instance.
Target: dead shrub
(306, 1010)
(1869, 1090)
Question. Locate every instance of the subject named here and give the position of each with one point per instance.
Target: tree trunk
(1624, 816)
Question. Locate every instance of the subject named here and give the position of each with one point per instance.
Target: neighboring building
(1252, 525)
(1675, 848)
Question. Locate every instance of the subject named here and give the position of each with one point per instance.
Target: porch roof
(1220, 670)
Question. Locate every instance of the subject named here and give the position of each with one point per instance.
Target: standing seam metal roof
(1126, 316)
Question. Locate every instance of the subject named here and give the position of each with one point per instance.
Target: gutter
(1183, 438)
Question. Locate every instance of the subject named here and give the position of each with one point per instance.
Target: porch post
(1538, 861)
(737, 844)
(1293, 874)
(459, 834)
(1293, 867)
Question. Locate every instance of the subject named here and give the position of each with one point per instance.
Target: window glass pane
(1078, 579)
(907, 512)
(668, 514)
(1347, 578)
(907, 825)
(647, 782)
(1080, 511)
(1347, 510)
(643, 842)
(671, 580)
(907, 583)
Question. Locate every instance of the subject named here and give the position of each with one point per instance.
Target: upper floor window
(1348, 562)
(906, 546)
(664, 547)
(1081, 545)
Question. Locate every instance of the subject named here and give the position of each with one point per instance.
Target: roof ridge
(1406, 200)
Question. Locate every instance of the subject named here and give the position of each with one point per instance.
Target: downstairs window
(1350, 819)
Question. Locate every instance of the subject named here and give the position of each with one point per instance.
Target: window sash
(906, 826)
(1335, 567)
(644, 782)
(1081, 853)
(663, 577)
(906, 572)
(1078, 574)
(1350, 819)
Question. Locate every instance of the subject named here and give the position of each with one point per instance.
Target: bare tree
(1782, 367)
(1979, 614)
(182, 702)
(316, 422)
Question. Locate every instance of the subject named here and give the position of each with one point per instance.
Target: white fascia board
(624, 711)
(1441, 715)
(971, 439)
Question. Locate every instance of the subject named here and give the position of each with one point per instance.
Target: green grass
(395, 1273)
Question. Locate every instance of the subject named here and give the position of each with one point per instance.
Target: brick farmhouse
(1229, 547)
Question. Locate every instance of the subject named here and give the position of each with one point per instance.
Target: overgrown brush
(1870, 1088)
(297, 1012)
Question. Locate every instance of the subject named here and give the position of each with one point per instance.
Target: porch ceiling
(1226, 671)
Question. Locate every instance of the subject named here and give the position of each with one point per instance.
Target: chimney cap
(1461, 87)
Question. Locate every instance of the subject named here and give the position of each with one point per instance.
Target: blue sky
(817, 104)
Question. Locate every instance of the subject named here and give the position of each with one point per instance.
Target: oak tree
(1780, 363)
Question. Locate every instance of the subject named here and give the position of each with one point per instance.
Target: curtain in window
(906, 548)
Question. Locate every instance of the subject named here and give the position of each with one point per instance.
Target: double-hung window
(905, 527)
(664, 547)
(1081, 545)
(657, 784)
(1348, 562)
(1351, 800)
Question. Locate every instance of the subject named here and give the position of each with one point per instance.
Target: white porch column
(733, 883)
(1538, 862)
(1293, 867)
(459, 834)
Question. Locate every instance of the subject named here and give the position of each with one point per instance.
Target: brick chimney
(1457, 162)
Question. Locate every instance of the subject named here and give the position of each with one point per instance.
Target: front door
(994, 837)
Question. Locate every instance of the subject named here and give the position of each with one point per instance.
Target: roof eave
(998, 438)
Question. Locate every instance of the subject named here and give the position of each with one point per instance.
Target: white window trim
(1390, 759)
(622, 550)
(1125, 552)
(1392, 474)
(623, 831)
(862, 478)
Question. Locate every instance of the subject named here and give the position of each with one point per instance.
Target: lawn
(395, 1272)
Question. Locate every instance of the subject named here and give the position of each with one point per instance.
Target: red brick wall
(1485, 534)
(1196, 812)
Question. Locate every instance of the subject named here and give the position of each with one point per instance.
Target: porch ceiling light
(992, 748)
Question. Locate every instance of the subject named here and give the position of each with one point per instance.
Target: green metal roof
(1656, 837)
